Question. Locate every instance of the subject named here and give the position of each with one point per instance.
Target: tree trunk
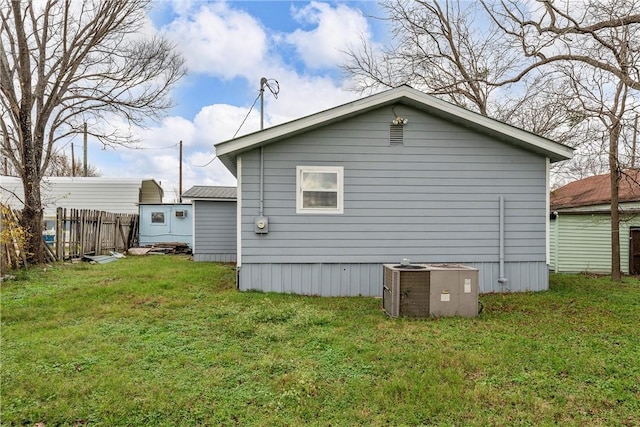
(614, 168)
(32, 214)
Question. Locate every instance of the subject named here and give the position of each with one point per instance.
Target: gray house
(325, 200)
(214, 222)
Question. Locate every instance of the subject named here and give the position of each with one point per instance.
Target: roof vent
(396, 134)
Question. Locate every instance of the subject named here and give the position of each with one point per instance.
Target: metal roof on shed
(207, 192)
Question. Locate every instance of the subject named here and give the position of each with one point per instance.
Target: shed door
(634, 251)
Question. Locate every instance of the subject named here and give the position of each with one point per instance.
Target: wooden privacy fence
(82, 232)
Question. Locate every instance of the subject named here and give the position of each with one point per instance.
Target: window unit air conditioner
(181, 214)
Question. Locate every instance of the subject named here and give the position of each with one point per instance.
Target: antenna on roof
(275, 90)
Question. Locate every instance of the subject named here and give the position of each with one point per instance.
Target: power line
(155, 148)
(275, 90)
(205, 165)
(247, 116)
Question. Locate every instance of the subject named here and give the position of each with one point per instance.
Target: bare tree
(64, 62)
(61, 165)
(437, 47)
(556, 32)
(454, 50)
(601, 36)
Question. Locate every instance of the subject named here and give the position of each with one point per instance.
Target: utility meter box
(261, 225)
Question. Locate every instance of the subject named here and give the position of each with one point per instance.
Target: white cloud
(222, 42)
(335, 30)
(172, 130)
(302, 95)
(220, 122)
(217, 40)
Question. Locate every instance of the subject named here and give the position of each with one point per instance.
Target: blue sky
(228, 47)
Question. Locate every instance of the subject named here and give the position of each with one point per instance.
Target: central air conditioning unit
(430, 290)
(399, 282)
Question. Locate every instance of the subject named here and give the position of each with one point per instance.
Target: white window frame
(338, 170)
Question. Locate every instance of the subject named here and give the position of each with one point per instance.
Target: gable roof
(207, 192)
(596, 190)
(227, 151)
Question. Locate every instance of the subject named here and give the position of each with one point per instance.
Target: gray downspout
(556, 250)
(501, 278)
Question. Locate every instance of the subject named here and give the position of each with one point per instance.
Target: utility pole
(73, 162)
(634, 144)
(180, 181)
(86, 170)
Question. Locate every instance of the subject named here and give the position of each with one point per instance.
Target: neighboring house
(118, 195)
(166, 223)
(581, 225)
(325, 200)
(214, 223)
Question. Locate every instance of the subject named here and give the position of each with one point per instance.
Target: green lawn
(160, 340)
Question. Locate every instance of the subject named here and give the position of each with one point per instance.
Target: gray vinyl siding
(433, 199)
(214, 231)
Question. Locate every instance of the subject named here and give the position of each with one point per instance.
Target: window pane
(157, 217)
(319, 199)
(320, 181)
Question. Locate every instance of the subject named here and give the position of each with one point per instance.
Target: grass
(165, 341)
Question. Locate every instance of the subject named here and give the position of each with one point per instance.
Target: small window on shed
(157, 218)
(396, 134)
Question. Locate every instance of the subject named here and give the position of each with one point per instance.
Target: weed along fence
(82, 232)
(12, 240)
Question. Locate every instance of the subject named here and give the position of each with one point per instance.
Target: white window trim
(339, 170)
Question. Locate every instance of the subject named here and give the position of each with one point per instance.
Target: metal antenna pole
(263, 81)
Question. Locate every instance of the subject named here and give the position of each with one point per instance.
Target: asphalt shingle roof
(210, 192)
(596, 190)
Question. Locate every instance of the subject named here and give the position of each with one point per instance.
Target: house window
(157, 218)
(319, 189)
